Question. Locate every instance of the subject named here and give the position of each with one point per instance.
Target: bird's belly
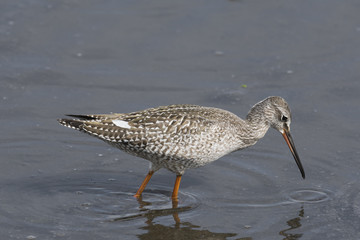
(180, 152)
(180, 159)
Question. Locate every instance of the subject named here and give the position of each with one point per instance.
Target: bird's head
(278, 113)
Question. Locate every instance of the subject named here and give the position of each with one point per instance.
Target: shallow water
(120, 56)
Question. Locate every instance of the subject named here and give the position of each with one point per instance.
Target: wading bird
(179, 137)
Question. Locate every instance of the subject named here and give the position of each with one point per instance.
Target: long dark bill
(290, 143)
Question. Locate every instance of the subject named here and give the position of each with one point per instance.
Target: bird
(185, 136)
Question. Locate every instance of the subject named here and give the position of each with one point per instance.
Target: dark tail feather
(71, 123)
(82, 117)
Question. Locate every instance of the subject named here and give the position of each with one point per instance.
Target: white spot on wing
(121, 123)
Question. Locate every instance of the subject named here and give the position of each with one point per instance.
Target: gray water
(79, 57)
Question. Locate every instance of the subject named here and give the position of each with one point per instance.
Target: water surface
(75, 57)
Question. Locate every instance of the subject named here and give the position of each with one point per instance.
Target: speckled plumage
(179, 137)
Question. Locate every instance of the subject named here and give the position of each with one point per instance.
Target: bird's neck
(257, 122)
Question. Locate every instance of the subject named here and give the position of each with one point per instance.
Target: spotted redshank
(179, 137)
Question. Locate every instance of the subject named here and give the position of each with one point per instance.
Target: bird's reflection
(186, 230)
(293, 224)
(179, 230)
(175, 210)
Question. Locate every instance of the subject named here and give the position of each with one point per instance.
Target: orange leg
(176, 187)
(143, 185)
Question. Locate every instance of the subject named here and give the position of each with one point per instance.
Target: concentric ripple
(261, 181)
(309, 196)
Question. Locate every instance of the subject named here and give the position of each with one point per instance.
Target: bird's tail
(71, 123)
(75, 123)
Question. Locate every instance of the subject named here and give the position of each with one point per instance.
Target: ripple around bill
(309, 196)
(84, 199)
(258, 181)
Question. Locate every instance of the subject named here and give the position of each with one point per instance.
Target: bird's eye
(284, 118)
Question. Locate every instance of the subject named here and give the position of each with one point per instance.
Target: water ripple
(309, 195)
(63, 201)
